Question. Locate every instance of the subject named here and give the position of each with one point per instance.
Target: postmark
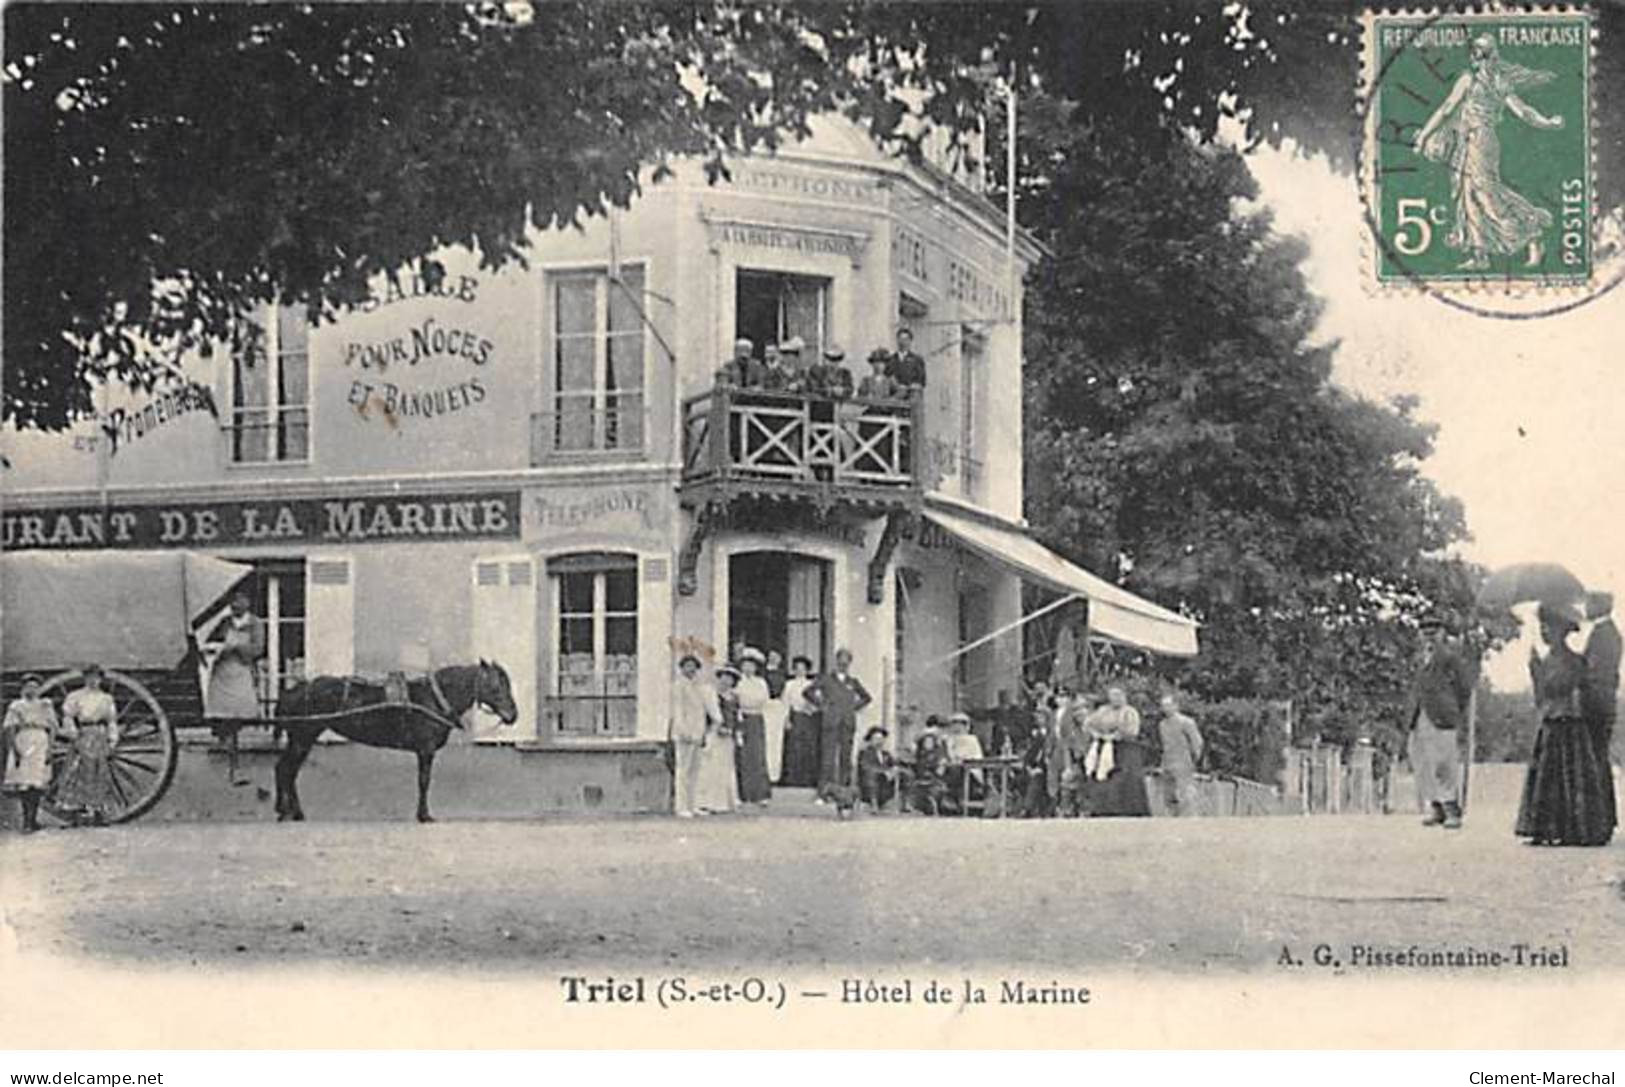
(1477, 169)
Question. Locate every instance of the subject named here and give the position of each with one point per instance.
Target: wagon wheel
(143, 761)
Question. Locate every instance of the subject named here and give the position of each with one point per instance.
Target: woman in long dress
(801, 739)
(25, 749)
(717, 789)
(90, 719)
(755, 787)
(1490, 218)
(1568, 791)
(1114, 764)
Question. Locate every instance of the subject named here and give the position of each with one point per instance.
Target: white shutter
(505, 632)
(329, 615)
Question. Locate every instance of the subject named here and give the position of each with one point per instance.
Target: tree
(1184, 437)
(167, 166)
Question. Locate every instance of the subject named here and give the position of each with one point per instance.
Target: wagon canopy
(121, 609)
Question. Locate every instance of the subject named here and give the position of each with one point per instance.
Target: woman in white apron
(235, 646)
(29, 727)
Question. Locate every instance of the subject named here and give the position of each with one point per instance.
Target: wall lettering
(578, 511)
(413, 285)
(417, 518)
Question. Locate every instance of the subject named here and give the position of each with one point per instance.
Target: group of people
(88, 722)
(1568, 791)
(752, 723)
(1066, 752)
(892, 375)
(85, 790)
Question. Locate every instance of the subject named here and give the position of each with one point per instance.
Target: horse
(446, 694)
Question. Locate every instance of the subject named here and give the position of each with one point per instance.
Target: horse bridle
(480, 699)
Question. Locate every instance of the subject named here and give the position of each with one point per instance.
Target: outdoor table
(994, 770)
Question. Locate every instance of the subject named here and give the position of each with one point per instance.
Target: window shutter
(504, 615)
(329, 615)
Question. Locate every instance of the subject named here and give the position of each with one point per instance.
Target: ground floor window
(596, 644)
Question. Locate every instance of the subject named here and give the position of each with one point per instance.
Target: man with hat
(839, 696)
(1599, 697)
(1435, 715)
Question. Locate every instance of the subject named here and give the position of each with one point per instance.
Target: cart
(135, 613)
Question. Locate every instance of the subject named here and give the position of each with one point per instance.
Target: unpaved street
(798, 889)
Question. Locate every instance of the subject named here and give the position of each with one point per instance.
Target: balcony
(751, 442)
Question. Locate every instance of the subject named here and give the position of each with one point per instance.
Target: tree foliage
(167, 166)
(1185, 438)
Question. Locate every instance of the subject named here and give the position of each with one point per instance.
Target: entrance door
(778, 600)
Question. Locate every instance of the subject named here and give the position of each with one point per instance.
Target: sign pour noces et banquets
(339, 520)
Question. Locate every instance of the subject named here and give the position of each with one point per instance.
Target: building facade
(535, 465)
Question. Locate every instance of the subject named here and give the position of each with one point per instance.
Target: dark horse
(447, 693)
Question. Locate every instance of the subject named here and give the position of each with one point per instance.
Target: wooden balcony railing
(749, 434)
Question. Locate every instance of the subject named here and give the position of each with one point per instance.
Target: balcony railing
(582, 427)
(749, 434)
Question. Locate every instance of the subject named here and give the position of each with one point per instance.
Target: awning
(1114, 612)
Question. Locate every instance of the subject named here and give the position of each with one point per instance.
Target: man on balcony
(741, 370)
(907, 367)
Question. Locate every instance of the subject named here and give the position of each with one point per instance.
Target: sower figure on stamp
(1435, 715)
(1491, 218)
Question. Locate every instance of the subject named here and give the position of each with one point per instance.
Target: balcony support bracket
(897, 521)
(688, 559)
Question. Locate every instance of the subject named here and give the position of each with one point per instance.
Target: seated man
(877, 770)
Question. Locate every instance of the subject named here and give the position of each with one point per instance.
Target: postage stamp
(1477, 166)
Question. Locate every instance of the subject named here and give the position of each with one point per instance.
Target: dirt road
(799, 889)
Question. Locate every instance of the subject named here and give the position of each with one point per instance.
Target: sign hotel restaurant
(340, 520)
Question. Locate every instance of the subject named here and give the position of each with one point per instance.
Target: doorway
(778, 600)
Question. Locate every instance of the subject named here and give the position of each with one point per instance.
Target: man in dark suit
(840, 696)
(907, 368)
(1435, 716)
(1599, 697)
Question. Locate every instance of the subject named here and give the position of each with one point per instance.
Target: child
(876, 770)
(29, 727)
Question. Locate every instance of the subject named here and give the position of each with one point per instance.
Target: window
(771, 307)
(596, 670)
(594, 370)
(972, 393)
(270, 391)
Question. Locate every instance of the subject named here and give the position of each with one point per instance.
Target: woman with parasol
(1568, 791)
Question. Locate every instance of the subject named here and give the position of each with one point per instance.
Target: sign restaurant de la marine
(337, 520)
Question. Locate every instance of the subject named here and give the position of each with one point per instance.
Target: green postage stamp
(1477, 165)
